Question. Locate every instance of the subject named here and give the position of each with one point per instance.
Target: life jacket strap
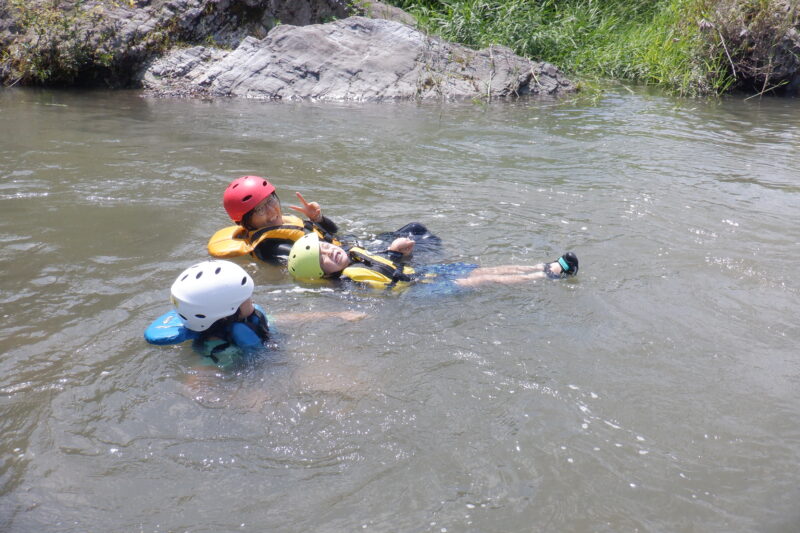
(217, 349)
(383, 266)
(322, 232)
(261, 231)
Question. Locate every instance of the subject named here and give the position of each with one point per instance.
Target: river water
(658, 391)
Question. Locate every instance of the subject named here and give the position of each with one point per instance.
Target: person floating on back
(261, 229)
(311, 259)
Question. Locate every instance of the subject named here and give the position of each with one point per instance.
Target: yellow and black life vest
(234, 241)
(376, 271)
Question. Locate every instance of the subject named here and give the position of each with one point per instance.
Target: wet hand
(403, 245)
(312, 210)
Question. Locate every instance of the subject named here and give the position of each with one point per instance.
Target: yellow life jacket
(234, 241)
(376, 271)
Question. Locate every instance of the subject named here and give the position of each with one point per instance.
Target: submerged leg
(502, 279)
(508, 269)
(564, 266)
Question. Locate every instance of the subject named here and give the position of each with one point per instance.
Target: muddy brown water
(657, 391)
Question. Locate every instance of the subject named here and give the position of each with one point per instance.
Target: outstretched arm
(300, 318)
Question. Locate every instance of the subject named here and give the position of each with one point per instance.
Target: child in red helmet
(262, 229)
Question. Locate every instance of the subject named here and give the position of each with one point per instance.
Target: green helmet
(304, 258)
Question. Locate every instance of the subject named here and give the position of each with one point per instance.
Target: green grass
(657, 42)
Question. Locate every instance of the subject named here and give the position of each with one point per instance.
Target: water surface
(657, 391)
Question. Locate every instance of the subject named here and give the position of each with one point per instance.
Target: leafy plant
(54, 47)
(755, 38)
(660, 42)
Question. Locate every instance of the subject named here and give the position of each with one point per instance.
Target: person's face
(246, 309)
(332, 258)
(267, 213)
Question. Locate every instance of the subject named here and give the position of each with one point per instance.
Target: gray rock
(356, 59)
(103, 42)
(379, 10)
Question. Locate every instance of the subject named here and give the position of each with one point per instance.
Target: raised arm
(313, 212)
(301, 318)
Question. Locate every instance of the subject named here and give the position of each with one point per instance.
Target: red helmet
(243, 194)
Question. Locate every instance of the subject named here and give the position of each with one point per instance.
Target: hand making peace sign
(312, 210)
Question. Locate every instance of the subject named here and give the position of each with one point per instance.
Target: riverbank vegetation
(691, 47)
(58, 48)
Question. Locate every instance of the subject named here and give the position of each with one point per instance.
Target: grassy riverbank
(690, 47)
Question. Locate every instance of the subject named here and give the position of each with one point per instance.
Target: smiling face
(266, 214)
(332, 258)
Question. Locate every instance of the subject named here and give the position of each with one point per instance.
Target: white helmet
(208, 291)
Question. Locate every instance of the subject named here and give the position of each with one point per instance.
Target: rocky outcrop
(379, 10)
(106, 43)
(273, 49)
(357, 59)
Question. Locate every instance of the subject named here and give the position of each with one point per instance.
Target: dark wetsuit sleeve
(393, 256)
(328, 225)
(273, 250)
